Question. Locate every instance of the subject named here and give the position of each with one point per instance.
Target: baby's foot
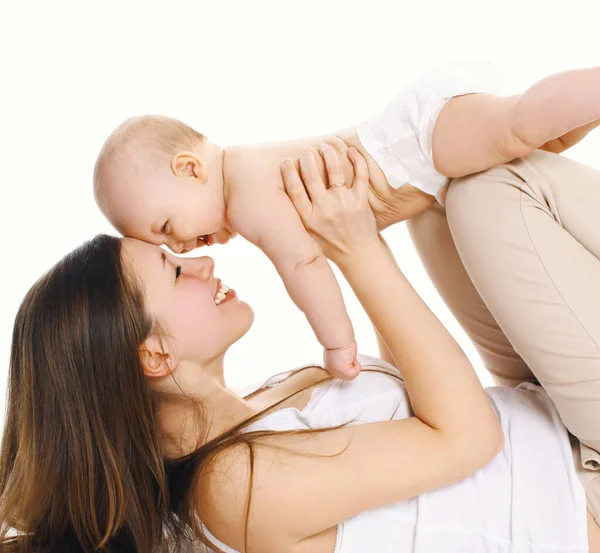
(342, 362)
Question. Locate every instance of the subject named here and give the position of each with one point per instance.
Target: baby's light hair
(144, 138)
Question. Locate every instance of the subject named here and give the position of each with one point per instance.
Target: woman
(120, 430)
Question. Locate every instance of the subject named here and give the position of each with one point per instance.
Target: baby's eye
(164, 228)
(177, 271)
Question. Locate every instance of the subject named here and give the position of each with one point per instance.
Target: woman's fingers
(340, 221)
(335, 173)
(294, 187)
(361, 172)
(310, 176)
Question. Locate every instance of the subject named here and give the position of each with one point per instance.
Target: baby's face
(161, 208)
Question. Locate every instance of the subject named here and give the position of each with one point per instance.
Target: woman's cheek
(195, 315)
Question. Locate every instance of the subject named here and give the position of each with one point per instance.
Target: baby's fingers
(295, 188)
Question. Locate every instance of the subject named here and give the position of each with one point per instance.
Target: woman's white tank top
(528, 499)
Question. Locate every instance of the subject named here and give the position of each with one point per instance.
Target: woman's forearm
(444, 389)
(384, 351)
(557, 105)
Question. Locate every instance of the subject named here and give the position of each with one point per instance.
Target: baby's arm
(478, 131)
(270, 221)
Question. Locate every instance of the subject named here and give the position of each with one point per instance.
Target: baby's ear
(189, 164)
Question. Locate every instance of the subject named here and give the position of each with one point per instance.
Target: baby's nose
(189, 245)
(176, 246)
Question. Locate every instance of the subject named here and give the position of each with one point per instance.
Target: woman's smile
(223, 293)
(227, 297)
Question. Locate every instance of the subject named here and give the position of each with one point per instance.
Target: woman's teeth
(221, 294)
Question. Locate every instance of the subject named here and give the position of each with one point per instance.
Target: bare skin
(254, 166)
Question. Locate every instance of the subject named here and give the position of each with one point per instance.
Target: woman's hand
(338, 217)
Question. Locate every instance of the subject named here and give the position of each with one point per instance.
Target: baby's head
(158, 180)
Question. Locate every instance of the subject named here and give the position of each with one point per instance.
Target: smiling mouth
(204, 240)
(222, 292)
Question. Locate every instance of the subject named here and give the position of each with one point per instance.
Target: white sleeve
(400, 137)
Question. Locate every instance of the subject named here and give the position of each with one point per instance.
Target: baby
(159, 180)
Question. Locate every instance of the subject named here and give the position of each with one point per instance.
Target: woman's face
(181, 294)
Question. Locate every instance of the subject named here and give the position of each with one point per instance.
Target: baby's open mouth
(204, 240)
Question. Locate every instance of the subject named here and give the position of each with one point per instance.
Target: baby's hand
(342, 362)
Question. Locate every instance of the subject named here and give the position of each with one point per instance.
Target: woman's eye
(177, 271)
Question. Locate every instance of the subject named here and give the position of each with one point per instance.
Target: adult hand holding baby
(338, 217)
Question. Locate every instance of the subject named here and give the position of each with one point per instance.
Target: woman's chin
(245, 321)
(250, 318)
(244, 307)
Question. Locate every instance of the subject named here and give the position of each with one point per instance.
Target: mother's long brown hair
(82, 466)
(80, 463)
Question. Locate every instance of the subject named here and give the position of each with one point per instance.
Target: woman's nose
(201, 267)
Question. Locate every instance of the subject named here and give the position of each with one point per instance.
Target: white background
(240, 72)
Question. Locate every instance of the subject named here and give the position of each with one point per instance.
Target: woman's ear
(157, 360)
(189, 164)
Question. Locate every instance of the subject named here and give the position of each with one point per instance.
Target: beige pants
(516, 256)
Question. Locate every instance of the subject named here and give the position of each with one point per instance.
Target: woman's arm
(444, 390)
(477, 131)
(435, 369)
(384, 351)
(355, 468)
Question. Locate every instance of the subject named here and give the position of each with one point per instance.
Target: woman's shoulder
(370, 361)
(248, 389)
(273, 380)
